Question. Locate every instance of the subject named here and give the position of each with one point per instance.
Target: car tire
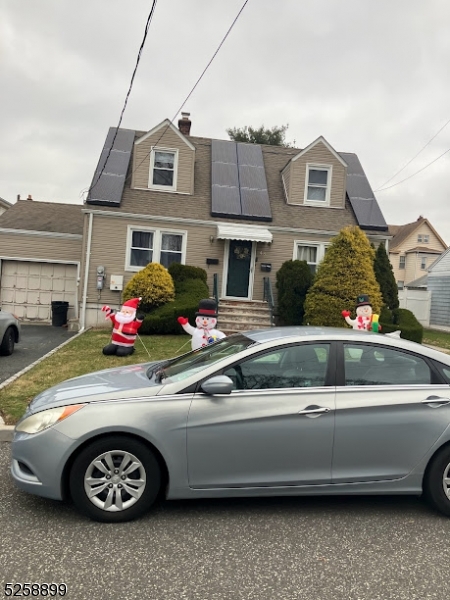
(115, 479)
(437, 482)
(7, 345)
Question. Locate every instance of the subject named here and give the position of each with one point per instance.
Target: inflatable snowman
(206, 319)
(365, 320)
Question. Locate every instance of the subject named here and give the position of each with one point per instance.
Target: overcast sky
(371, 76)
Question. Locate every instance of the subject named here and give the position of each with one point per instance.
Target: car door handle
(314, 411)
(436, 401)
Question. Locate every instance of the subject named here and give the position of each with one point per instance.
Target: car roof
(308, 333)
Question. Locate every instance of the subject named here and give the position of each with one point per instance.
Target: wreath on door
(242, 253)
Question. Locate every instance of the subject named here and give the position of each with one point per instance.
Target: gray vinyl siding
(39, 247)
(169, 139)
(439, 287)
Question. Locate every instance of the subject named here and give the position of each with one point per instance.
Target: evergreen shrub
(294, 279)
(153, 284)
(403, 320)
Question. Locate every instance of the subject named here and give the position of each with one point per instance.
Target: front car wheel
(115, 479)
(437, 482)
(7, 344)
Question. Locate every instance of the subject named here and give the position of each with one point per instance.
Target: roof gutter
(86, 273)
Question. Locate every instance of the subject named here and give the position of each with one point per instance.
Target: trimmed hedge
(403, 319)
(190, 288)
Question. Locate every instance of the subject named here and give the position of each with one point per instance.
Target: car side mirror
(219, 384)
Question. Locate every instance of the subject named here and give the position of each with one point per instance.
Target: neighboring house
(40, 258)
(438, 284)
(413, 249)
(4, 205)
(237, 210)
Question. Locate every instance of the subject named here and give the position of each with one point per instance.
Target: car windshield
(197, 360)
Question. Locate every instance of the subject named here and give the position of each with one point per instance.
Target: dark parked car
(282, 411)
(9, 332)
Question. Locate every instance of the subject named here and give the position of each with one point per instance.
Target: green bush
(163, 320)
(181, 272)
(294, 279)
(403, 319)
(153, 284)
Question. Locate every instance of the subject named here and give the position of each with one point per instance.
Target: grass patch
(436, 338)
(82, 355)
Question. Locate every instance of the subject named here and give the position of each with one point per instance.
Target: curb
(7, 431)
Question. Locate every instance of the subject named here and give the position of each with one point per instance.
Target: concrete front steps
(237, 315)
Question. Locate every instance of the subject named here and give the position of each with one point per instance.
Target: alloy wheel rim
(115, 480)
(446, 481)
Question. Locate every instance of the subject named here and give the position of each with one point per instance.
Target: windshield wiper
(156, 368)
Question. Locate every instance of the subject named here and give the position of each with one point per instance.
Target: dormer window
(163, 169)
(318, 185)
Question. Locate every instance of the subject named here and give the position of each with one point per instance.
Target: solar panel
(108, 189)
(225, 199)
(361, 197)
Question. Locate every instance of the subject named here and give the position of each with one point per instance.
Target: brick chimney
(184, 124)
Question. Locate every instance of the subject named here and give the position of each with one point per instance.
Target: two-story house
(237, 210)
(413, 249)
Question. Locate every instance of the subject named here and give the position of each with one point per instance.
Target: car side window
(303, 365)
(373, 365)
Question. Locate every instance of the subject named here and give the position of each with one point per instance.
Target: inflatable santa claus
(125, 328)
(205, 320)
(365, 320)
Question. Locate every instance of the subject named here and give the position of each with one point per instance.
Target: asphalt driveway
(35, 342)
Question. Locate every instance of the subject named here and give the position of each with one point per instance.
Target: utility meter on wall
(100, 277)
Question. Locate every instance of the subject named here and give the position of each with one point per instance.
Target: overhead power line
(414, 174)
(413, 158)
(195, 85)
(147, 26)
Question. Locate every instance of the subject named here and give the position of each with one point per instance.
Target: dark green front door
(239, 264)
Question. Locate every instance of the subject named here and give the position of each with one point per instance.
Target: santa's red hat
(132, 303)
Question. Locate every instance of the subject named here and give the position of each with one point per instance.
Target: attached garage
(28, 288)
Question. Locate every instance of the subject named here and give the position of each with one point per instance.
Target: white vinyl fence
(418, 302)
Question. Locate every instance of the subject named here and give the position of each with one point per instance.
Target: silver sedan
(283, 411)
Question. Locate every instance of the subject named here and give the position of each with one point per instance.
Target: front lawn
(82, 355)
(440, 339)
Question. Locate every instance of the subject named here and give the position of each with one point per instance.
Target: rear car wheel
(7, 345)
(115, 479)
(437, 482)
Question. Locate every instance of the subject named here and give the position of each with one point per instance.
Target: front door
(240, 265)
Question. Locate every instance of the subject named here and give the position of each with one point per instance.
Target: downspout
(86, 273)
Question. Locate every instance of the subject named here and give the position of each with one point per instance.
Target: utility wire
(414, 174)
(194, 87)
(413, 158)
(147, 26)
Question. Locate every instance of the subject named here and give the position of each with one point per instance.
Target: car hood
(110, 384)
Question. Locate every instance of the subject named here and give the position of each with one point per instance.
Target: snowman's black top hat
(363, 300)
(207, 308)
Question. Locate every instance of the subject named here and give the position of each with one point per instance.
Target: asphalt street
(36, 341)
(371, 548)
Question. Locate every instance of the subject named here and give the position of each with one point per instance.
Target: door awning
(244, 232)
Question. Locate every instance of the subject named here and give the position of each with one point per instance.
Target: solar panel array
(107, 190)
(239, 185)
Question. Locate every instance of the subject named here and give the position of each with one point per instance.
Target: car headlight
(47, 418)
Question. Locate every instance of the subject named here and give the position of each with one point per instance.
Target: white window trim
(321, 246)
(163, 188)
(419, 238)
(319, 167)
(400, 266)
(157, 237)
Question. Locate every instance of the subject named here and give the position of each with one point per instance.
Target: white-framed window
(401, 262)
(400, 285)
(311, 252)
(318, 184)
(419, 238)
(163, 169)
(145, 245)
(423, 238)
(423, 262)
(426, 239)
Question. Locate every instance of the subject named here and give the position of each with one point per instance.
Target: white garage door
(27, 289)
